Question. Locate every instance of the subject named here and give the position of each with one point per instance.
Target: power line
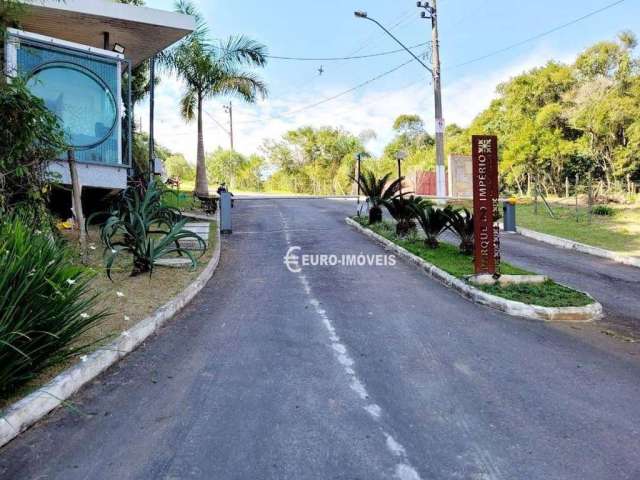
(538, 36)
(356, 57)
(388, 72)
(222, 127)
(341, 94)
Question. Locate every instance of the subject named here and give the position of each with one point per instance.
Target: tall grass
(44, 303)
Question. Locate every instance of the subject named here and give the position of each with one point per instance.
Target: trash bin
(225, 212)
(509, 215)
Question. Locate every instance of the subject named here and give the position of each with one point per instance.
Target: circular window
(80, 99)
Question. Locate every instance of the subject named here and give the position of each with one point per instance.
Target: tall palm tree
(212, 69)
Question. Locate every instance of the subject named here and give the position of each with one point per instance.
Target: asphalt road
(362, 372)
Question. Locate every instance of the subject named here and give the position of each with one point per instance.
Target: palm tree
(209, 70)
(377, 192)
(433, 221)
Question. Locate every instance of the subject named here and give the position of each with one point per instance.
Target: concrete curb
(579, 247)
(518, 309)
(25, 412)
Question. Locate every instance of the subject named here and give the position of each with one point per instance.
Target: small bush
(461, 223)
(44, 306)
(603, 210)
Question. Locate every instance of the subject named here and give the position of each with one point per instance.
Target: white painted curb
(579, 247)
(518, 309)
(27, 411)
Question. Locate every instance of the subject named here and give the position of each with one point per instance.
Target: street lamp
(365, 15)
(400, 156)
(429, 13)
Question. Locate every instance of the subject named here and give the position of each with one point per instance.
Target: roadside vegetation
(64, 293)
(410, 213)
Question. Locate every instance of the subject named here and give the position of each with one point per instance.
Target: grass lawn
(448, 258)
(128, 299)
(620, 232)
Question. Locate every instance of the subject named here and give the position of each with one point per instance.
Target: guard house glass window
(82, 101)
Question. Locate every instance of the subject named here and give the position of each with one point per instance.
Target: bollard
(509, 215)
(225, 212)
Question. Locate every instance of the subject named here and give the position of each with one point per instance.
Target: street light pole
(430, 13)
(400, 155)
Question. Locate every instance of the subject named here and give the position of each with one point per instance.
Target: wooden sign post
(485, 204)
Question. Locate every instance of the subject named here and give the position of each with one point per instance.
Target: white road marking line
(403, 470)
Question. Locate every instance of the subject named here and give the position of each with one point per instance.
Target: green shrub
(377, 192)
(44, 303)
(433, 221)
(141, 225)
(403, 210)
(461, 223)
(30, 137)
(603, 210)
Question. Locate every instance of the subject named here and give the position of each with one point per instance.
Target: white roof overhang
(142, 31)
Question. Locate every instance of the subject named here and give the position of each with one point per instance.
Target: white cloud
(375, 109)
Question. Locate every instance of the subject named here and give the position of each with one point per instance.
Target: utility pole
(437, 92)
(152, 81)
(229, 110)
(429, 13)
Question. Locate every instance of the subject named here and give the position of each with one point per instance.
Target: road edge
(24, 413)
(579, 247)
(518, 309)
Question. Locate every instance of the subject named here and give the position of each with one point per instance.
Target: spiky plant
(433, 222)
(461, 223)
(46, 303)
(403, 210)
(378, 191)
(142, 226)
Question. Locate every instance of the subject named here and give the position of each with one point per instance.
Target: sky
(469, 29)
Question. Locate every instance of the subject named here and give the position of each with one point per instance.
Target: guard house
(77, 56)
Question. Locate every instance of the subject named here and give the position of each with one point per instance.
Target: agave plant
(461, 223)
(433, 221)
(403, 210)
(377, 192)
(139, 224)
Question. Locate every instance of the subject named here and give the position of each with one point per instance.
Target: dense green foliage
(45, 304)
(560, 120)
(238, 171)
(30, 137)
(308, 160)
(141, 225)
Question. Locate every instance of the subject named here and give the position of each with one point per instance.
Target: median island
(449, 258)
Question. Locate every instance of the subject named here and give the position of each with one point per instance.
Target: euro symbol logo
(292, 261)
